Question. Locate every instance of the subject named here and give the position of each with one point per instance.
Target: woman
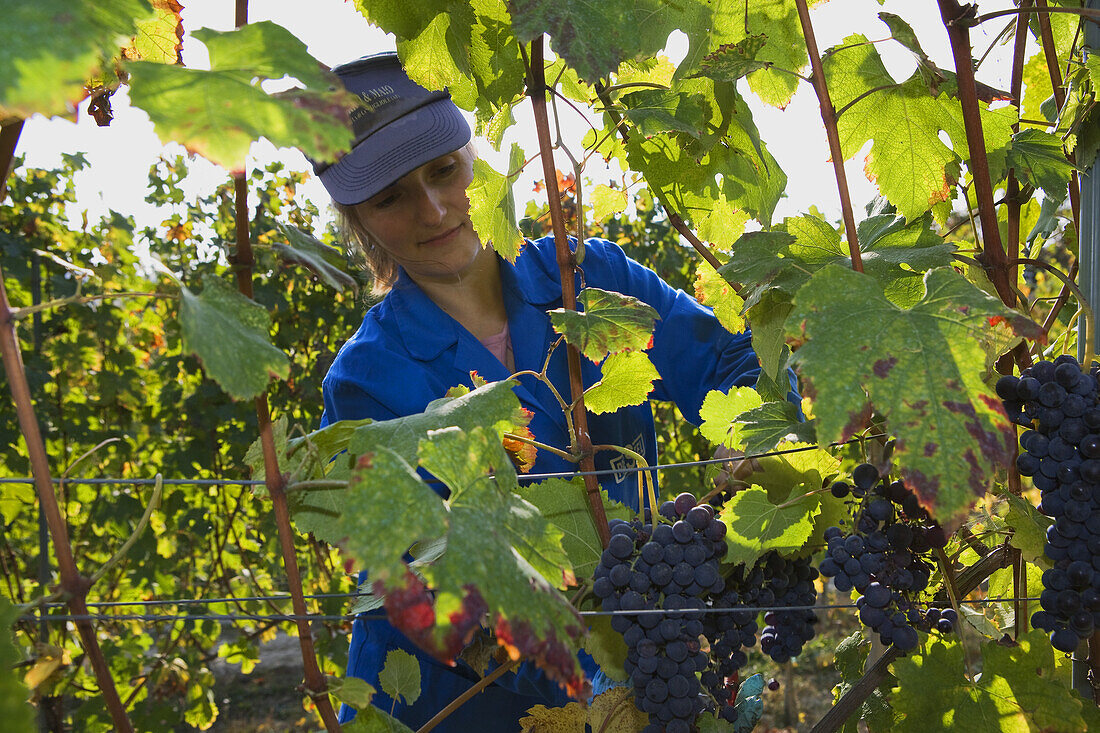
(452, 306)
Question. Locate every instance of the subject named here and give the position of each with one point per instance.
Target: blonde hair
(364, 246)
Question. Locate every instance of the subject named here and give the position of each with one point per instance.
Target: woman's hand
(732, 474)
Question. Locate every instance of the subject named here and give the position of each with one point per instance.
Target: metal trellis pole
(1089, 257)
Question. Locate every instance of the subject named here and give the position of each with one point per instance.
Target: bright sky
(121, 154)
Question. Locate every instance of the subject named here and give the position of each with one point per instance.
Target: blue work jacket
(409, 352)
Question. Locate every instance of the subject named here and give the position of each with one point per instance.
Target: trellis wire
(352, 616)
(525, 477)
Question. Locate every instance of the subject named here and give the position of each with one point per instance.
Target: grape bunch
(885, 557)
(1057, 403)
(687, 643)
(668, 570)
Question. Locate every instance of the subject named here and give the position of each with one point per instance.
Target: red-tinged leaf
(610, 323)
(920, 367)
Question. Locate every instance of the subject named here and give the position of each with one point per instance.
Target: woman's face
(423, 219)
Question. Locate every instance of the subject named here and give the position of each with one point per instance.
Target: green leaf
(730, 165)
(230, 334)
(920, 367)
(606, 201)
(627, 379)
(400, 676)
(713, 291)
(397, 510)
(328, 263)
(734, 60)
(493, 208)
(565, 503)
(1029, 527)
(770, 345)
(896, 254)
(912, 166)
(756, 525)
(595, 38)
(1016, 689)
(218, 113)
(18, 715)
(764, 427)
(720, 415)
(372, 720)
(493, 406)
(723, 22)
(351, 690)
(1038, 160)
(903, 33)
(50, 49)
(663, 110)
(609, 323)
(607, 647)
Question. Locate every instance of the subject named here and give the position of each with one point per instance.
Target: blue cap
(398, 125)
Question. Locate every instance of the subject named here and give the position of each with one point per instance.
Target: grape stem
(154, 502)
(950, 584)
(543, 446)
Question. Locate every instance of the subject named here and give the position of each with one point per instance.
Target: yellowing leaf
(607, 201)
(627, 379)
(493, 208)
(720, 413)
(712, 290)
(541, 719)
(614, 712)
(756, 525)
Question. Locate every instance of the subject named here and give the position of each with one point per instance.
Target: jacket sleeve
(692, 351)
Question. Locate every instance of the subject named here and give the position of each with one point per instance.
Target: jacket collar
(424, 327)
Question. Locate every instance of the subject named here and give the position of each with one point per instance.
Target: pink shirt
(500, 346)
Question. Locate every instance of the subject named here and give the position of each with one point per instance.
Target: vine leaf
(493, 406)
(734, 60)
(1016, 688)
(721, 412)
(161, 38)
(920, 367)
(372, 720)
(400, 676)
(328, 263)
(607, 201)
(912, 166)
(607, 647)
(712, 290)
(609, 323)
(1038, 160)
(218, 113)
(627, 379)
(351, 690)
(18, 715)
(851, 658)
(663, 110)
(50, 49)
(492, 205)
(764, 427)
(894, 252)
(595, 38)
(407, 511)
(566, 719)
(614, 711)
(565, 503)
(230, 335)
(756, 525)
(502, 558)
(1029, 527)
